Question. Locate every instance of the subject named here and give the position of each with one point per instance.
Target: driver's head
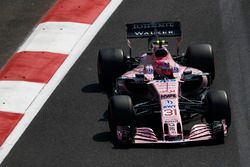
(159, 48)
(163, 68)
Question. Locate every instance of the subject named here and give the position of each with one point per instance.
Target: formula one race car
(158, 96)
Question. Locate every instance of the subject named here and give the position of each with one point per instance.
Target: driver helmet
(163, 68)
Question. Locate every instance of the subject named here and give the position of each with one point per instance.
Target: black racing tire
(110, 65)
(120, 113)
(218, 107)
(217, 130)
(201, 56)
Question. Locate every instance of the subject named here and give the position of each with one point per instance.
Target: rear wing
(154, 29)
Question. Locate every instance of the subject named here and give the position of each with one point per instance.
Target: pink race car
(159, 97)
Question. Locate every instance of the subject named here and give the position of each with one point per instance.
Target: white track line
(59, 75)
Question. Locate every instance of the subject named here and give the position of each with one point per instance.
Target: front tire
(121, 114)
(218, 107)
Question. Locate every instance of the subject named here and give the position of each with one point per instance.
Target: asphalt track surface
(71, 129)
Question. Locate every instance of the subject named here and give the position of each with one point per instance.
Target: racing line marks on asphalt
(35, 70)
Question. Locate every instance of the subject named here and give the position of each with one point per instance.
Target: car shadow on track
(92, 88)
(102, 137)
(95, 88)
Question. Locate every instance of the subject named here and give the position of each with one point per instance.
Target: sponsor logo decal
(171, 128)
(144, 33)
(149, 69)
(175, 69)
(168, 102)
(164, 81)
(156, 25)
(169, 106)
(171, 121)
(166, 90)
(168, 96)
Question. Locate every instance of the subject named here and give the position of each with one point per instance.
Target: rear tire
(200, 56)
(110, 65)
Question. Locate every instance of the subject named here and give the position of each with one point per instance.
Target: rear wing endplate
(154, 29)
